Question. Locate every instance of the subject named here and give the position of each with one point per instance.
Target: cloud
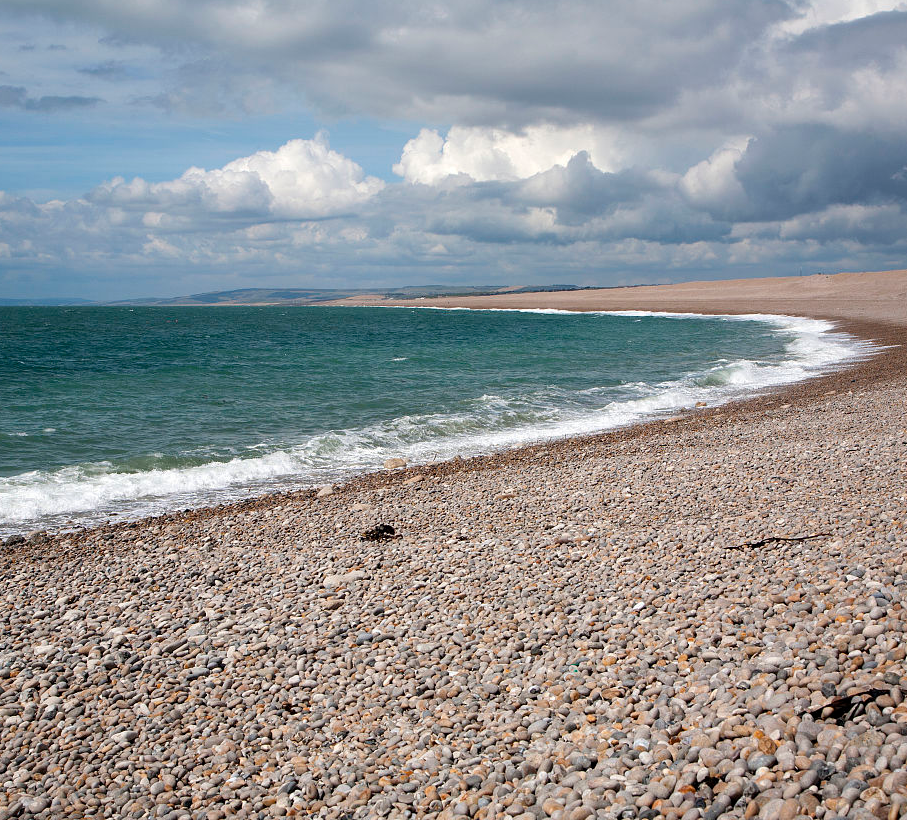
(53, 102)
(17, 97)
(808, 168)
(303, 179)
(197, 88)
(571, 205)
(307, 208)
(858, 40)
(863, 224)
(485, 154)
(470, 62)
(820, 14)
(718, 65)
(580, 187)
(547, 141)
(713, 184)
(12, 96)
(797, 170)
(108, 70)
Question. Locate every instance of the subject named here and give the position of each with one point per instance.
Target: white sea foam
(544, 311)
(89, 493)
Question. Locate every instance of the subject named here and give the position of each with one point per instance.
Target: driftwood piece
(840, 710)
(781, 539)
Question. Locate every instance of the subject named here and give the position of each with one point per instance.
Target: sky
(161, 148)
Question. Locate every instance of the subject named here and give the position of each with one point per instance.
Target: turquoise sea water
(129, 412)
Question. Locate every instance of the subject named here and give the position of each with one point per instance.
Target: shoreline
(847, 378)
(702, 617)
(882, 335)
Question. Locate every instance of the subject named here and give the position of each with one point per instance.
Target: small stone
(771, 810)
(551, 806)
(877, 612)
(789, 810)
(757, 761)
(334, 580)
(126, 736)
(538, 726)
(35, 805)
(359, 795)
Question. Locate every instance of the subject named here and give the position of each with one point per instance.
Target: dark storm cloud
(809, 168)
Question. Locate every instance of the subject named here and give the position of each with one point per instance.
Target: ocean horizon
(116, 413)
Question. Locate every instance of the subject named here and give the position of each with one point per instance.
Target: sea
(116, 413)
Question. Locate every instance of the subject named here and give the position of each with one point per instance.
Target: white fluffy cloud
(485, 154)
(713, 183)
(303, 179)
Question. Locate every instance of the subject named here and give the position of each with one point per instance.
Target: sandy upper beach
(701, 617)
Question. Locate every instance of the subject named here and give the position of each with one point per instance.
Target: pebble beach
(699, 617)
